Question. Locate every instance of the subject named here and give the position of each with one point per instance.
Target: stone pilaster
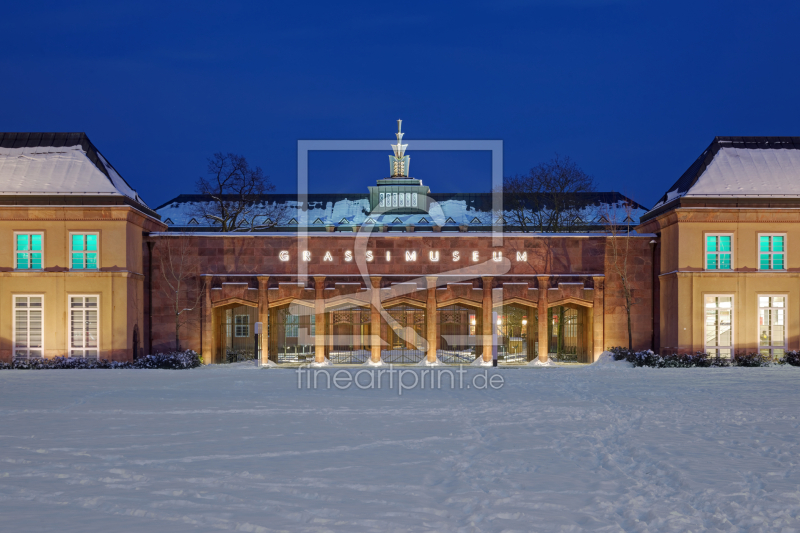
(598, 314)
(375, 319)
(430, 319)
(544, 285)
(263, 315)
(319, 318)
(207, 338)
(486, 315)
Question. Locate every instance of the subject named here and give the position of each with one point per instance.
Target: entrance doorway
(405, 335)
(567, 334)
(517, 328)
(291, 334)
(236, 333)
(349, 329)
(461, 331)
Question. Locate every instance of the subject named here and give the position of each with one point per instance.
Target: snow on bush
(170, 360)
(236, 356)
(700, 359)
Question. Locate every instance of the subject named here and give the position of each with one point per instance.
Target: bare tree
(619, 230)
(180, 276)
(237, 196)
(549, 198)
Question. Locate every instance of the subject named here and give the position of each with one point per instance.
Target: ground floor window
(242, 326)
(83, 326)
(28, 326)
(772, 325)
(719, 325)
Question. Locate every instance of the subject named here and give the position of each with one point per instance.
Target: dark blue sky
(633, 91)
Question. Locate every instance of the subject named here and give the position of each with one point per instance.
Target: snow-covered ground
(601, 448)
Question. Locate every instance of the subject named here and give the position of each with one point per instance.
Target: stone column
(430, 319)
(375, 319)
(263, 315)
(207, 338)
(532, 331)
(319, 319)
(598, 315)
(486, 317)
(544, 285)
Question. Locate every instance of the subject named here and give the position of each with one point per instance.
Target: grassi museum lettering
(398, 273)
(409, 255)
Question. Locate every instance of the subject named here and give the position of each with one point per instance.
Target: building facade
(398, 274)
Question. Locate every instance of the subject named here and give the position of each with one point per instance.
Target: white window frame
(706, 252)
(84, 349)
(759, 253)
(70, 252)
(16, 266)
(27, 349)
(732, 346)
(771, 348)
(246, 327)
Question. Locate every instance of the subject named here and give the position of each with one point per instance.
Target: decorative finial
(399, 162)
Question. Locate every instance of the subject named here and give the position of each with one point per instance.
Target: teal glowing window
(719, 254)
(83, 252)
(771, 252)
(28, 253)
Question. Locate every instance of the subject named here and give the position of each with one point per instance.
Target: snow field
(234, 448)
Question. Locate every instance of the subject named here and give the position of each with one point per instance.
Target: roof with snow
(59, 164)
(739, 167)
(348, 210)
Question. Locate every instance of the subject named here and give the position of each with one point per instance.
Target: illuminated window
(83, 251)
(83, 326)
(28, 251)
(719, 252)
(772, 252)
(719, 325)
(28, 326)
(772, 325)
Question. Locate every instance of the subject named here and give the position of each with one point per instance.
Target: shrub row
(700, 359)
(170, 361)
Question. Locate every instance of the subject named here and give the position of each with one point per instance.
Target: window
(719, 254)
(242, 326)
(83, 251)
(719, 326)
(28, 251)
(28, 326)
(83, 327)
(772, 325)
(771, 252)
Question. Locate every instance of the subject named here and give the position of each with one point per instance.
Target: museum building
(400, 273)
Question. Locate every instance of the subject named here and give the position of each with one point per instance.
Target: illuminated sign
(409, 255)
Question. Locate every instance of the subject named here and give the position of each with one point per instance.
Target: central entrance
(404, 335)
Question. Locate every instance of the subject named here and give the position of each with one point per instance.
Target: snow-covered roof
(741, 167)
(57, 164)
(445, 210)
